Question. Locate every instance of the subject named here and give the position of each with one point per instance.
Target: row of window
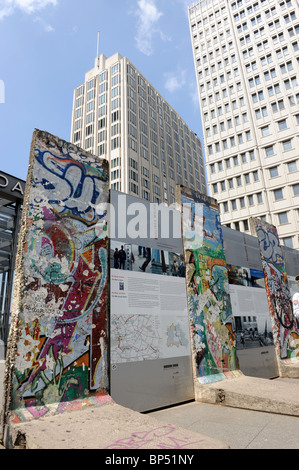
(274, 89)
(210, 26)
(270, 74)
(278, 194)
(248, 178)
(226, 108)
(256, 5)
(230, 142)
(225, 125)
(276, 106)
(284, 68)
(281, 125)
(240, 203)
(232, 161)
(246, 53)
(169, 115)
(222, 93)
(291, 167)
(258, 19)
(152, 150)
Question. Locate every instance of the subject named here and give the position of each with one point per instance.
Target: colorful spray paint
(210, 313)
(57, 351)
(284, 326)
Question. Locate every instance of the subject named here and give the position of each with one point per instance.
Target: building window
(292, 166)
(243, 158)
(296, 189)
(134, 188)
(287, 144)
(282, 124)
(255, 176)
(283, 218)
(248, 136)
(250, 200)
(259, 198)
(269, 151)
(278, 194)
(265, 131)
(273, 172)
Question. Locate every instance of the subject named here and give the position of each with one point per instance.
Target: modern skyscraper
(118, 115)
(246, 59)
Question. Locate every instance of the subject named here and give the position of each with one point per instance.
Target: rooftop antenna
(98, 41)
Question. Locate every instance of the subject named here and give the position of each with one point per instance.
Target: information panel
(252, 321)
(150, 340)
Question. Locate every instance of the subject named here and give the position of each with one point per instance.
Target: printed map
(146, 337)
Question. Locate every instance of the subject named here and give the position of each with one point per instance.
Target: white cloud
(175, 80)
(47, 27)
(8, 7)
(148, 17)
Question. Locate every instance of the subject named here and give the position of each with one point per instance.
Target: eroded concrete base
(289, 370)
(273, 396)
(109, 426)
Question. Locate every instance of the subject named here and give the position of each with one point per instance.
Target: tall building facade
(118, 115)
(246, 55)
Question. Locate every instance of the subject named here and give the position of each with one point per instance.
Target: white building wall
(246, 60)
(152, 149)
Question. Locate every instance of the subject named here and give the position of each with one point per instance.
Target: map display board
(150, 353)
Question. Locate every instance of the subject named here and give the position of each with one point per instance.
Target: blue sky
(47, 46)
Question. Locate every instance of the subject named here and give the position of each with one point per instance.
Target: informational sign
(149, 329)
(251, 317)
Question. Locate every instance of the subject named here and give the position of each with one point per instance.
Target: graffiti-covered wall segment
(209, 305)
(284, 326)
(60, 298)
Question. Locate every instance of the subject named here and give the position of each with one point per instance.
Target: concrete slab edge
(115, 422)
(218, 394)
(288, 370)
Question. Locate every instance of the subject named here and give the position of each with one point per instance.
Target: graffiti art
(285, 330)
(61, 312)
(208, 297)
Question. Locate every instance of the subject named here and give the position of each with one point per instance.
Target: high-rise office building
(118, 115)
(246, 55)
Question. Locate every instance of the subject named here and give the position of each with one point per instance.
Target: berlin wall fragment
(57, 349)
(210, 313)
(284, 327)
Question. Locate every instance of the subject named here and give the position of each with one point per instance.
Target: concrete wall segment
(57, 349)
(284, 324)
(210, 314)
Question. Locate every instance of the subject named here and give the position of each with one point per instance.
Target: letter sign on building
(11, 187)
